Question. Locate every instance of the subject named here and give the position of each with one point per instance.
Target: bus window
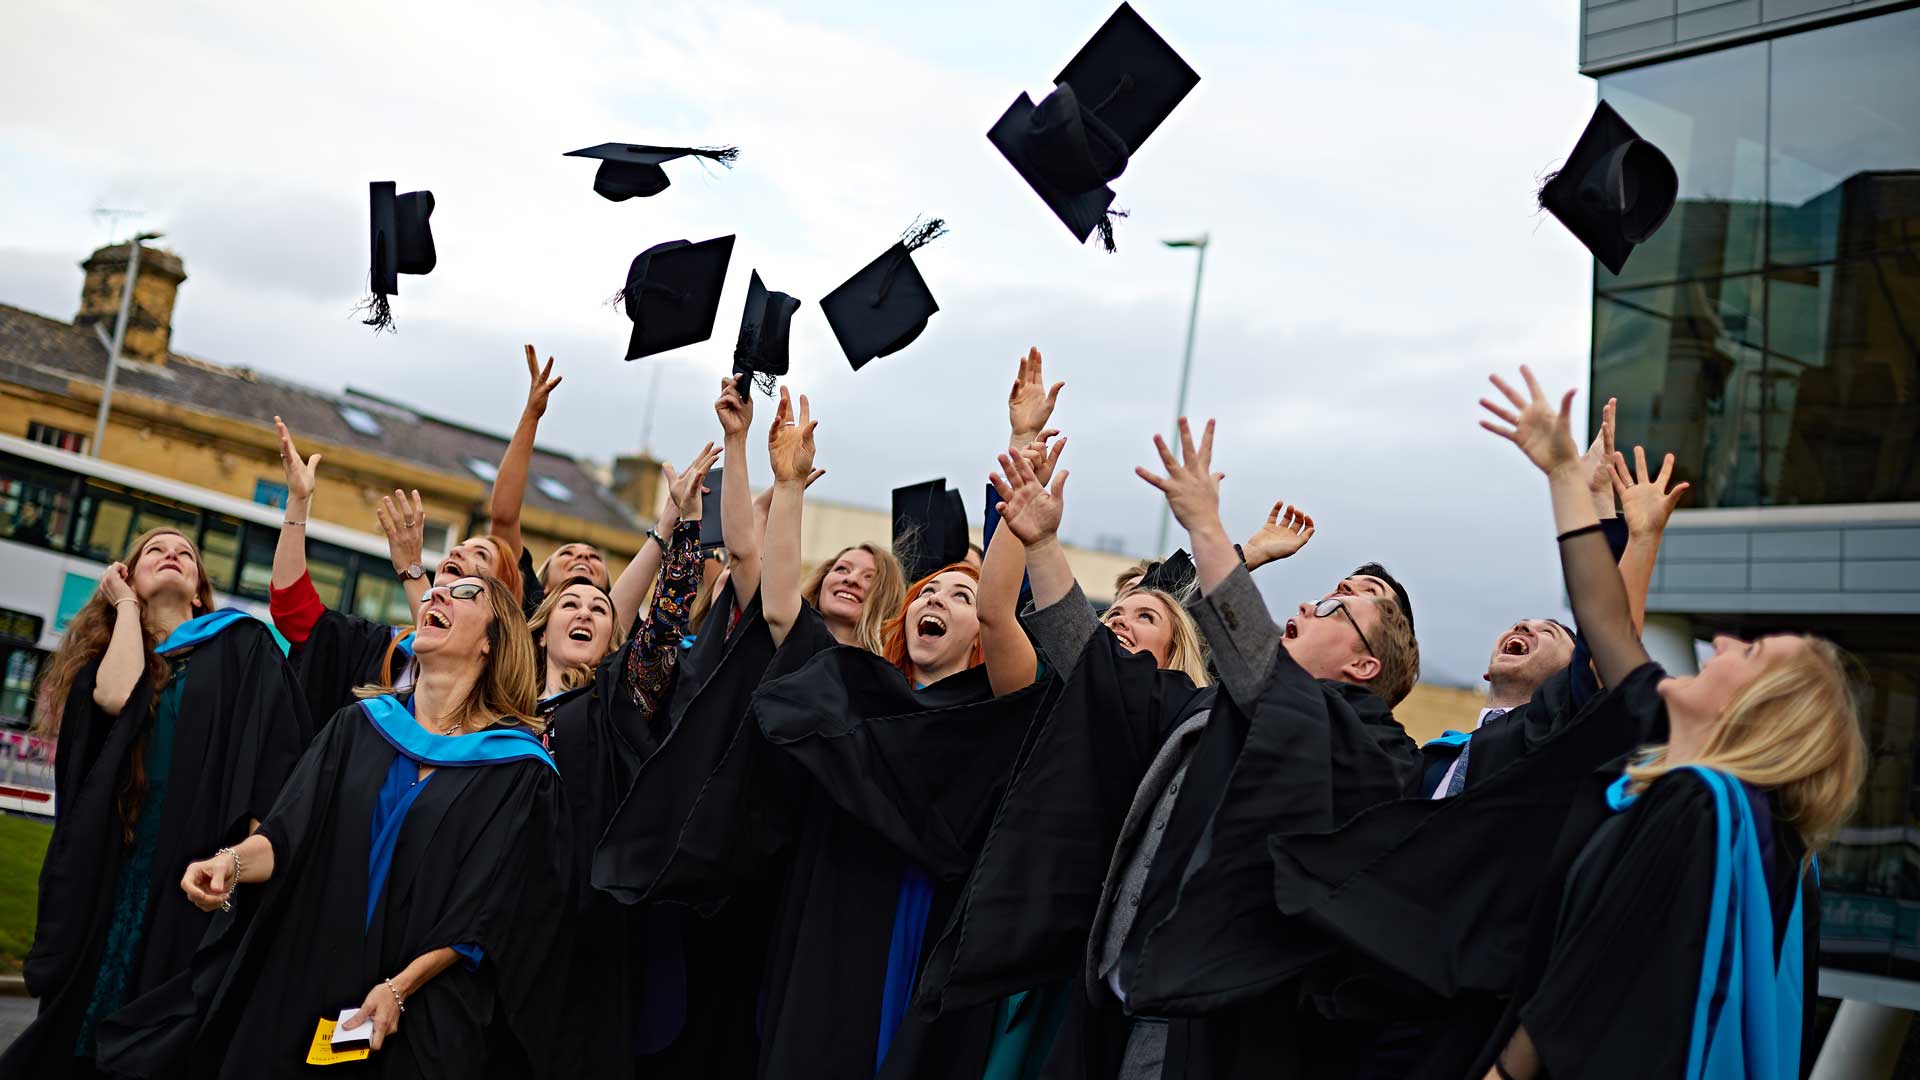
(104, 526)
(36, 503)
(16, 691)
(148, 514)
(220, 549)
(380, 597)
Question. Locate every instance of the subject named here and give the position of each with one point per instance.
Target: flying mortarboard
(929, 528)
(628, 170)
(1614, 191)
(673, 293)
(1105, 103)
(402, 243)
(881, 309)
(761, 350)
(1175, 575)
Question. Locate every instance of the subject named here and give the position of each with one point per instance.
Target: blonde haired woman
(856, 592)
(175, 726)
(406, 883)
(1685, 930)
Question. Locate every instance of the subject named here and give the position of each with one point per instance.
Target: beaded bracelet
(227, 903)
(397, 999)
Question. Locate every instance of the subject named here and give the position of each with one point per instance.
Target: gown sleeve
(1617, 996)
(340, 653)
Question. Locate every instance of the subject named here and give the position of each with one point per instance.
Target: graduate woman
(604, 713)
(176, 726)
(1683, 936)
(408, 878)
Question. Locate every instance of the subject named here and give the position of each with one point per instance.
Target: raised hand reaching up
(1598, 462)
(1541, 433)
(1191, 486)
(1030, 403)
(1029, 507)
(1645, 503)
(541, 383)
(685, 488)
(790, 441)
(734, 409)
(300, 474)
(1287, 530)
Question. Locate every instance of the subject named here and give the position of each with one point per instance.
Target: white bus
(64, 517)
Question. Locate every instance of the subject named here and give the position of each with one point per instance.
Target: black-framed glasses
(1339, 603)
(465, 590)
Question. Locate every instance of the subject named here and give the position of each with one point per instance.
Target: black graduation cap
(1105, 103)
(627, 169)
(1174, 575)
(929, 528)
(673, 293)
(761, 350)
(711, 535)
(402, 243)
(881, 309)
(1614, 191)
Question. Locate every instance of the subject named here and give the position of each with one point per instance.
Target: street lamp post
(119, 339)
(1186, 364)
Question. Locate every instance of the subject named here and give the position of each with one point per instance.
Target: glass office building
(1769, 337)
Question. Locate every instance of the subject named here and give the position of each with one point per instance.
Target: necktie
(1457, 775)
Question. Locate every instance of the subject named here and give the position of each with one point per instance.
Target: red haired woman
(176, 725)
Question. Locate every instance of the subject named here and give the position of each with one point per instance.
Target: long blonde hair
(1187, 652)
(85, 641)
(507, 689)
(580, 674)
(886, 595)
(1795, 731)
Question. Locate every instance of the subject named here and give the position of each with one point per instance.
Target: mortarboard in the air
(1174, 575)
(881, 309)
(628, 170)
(1614, 191)
(761, 349)
(929, 528)
(402, 243)
(1105, 103)
(711, 535)
(673, 293)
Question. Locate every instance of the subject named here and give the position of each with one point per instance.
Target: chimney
(150, 323)
(636, 483)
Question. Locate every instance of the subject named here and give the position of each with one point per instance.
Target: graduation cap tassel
(1540, 190)
(725, 155)
(920, 235)
(1106, 229)
(379, 312)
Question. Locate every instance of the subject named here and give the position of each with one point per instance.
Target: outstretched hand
(1544, 435)
(1191, 486)
(1597, 462)
(790, 441)
(1645, 503)
(687, 487)
(405, 524)
(734, 408)
(1030, 403)
(1027, 506)
(300, 474)
(1287, 530)
(539, 385)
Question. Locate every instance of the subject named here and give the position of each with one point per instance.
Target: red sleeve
(295, 609)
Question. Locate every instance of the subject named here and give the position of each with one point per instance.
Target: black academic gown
(341, 653)
(481, 860)
(691, 842)
(1023, 917)
(892, 775)
(1302, 756)
(599, 736)
(1611, 963)
(241, 728)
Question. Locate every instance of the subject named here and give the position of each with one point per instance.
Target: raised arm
(126, 658)
(1192, 489)
(1010, 657)
(683, 505)
(1028, 509)
(290, 554)
(1647, 504)
(510, 482)
(790, 455)
(735, 410)
(405, 523)
(1593, 580)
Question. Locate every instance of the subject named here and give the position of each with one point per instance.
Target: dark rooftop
(43, 353)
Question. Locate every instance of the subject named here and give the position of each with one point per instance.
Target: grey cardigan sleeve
(1240, 633)
(1062, 629)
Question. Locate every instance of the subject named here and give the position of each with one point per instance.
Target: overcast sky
(1366, 171)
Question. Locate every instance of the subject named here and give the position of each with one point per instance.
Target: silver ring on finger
(408, 524)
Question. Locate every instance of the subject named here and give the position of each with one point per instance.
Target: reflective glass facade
(1769, 337)
(1769, 334)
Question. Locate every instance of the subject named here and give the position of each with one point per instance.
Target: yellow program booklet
(333, 1045)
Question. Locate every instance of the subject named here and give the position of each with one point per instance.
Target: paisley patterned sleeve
(656, 644)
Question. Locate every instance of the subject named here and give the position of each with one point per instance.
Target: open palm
(1028, 507)
(1532, 424)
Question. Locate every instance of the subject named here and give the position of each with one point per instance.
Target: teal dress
(1024, 1026)
(120, 959)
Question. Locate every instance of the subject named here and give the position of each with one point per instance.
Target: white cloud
(1366, 175)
